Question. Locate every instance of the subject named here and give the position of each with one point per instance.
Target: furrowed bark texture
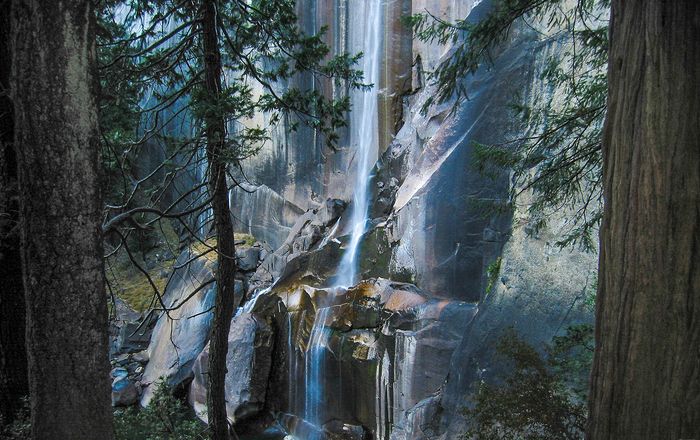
(57, 144)
(646, 373)
(13, 356)
(226, 270)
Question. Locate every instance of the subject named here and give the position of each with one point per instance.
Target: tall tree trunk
(13, 355)
(646, 373)
(57, 144)
(226, 270)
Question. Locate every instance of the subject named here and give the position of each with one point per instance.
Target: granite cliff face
(396, 354)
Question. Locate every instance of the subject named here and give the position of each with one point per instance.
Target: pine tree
(645, 382)
(57, 143)
(200, 58)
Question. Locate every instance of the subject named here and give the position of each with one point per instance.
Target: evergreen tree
(559, 156)
(199, 58)
(53, 89)
(645, 382)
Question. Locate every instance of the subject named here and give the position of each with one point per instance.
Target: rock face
(373, 351)
(541, 289)
(181, 334)
(395, 356)
(249, 362)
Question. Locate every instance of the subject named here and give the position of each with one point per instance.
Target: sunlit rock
(181, 334)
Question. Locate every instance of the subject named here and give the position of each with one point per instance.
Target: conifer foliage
(558, 157)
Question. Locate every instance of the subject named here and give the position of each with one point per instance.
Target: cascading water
(314, 377)
(366, 35)
(206, 214)
(365, 25)
(250, 304)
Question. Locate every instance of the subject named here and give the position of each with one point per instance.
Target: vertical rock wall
(297, 166)
(397, 360)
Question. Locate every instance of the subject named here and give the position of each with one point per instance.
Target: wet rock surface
(181, 334)
(395, 356)
(377, 362)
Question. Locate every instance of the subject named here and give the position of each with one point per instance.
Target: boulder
(124, 391)
(403, 300)
(180, 335)
(124, 312)
(249, 362)
(135, 336)
(337, 430)
(140, 357)
(330, 211)
(248, 258)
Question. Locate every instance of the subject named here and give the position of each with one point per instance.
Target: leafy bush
(544, 396)
(165, 418)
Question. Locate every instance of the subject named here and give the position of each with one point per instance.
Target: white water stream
(366, 37)
(365, 25)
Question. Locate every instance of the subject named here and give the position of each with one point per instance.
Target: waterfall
(291, 367)
(314, 367)
(250, 305)
(365, 29)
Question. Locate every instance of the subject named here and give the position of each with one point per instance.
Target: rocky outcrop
(182, 332)
(373, 351)
(269, 216)
(249, 361)
(311, 247)
(395, 356)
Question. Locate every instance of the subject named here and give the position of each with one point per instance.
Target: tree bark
(57, 144)
(646, 373)
(13, 355)
(226, 269)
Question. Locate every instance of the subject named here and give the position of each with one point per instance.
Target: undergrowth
(544, 395)
(165, 418)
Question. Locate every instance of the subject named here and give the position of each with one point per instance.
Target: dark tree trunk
(57, 144)
(646, 374)
(226, 270)
(13, 355)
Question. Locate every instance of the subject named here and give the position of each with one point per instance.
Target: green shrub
(492, 272)
(543, 397)
(165, 418)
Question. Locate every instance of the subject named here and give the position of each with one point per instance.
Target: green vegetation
(248, 240)
(165, 418)
(133, 286)
(130, 284)
(492, 272)
(544, 395)
(127, 282)
(558, 157)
